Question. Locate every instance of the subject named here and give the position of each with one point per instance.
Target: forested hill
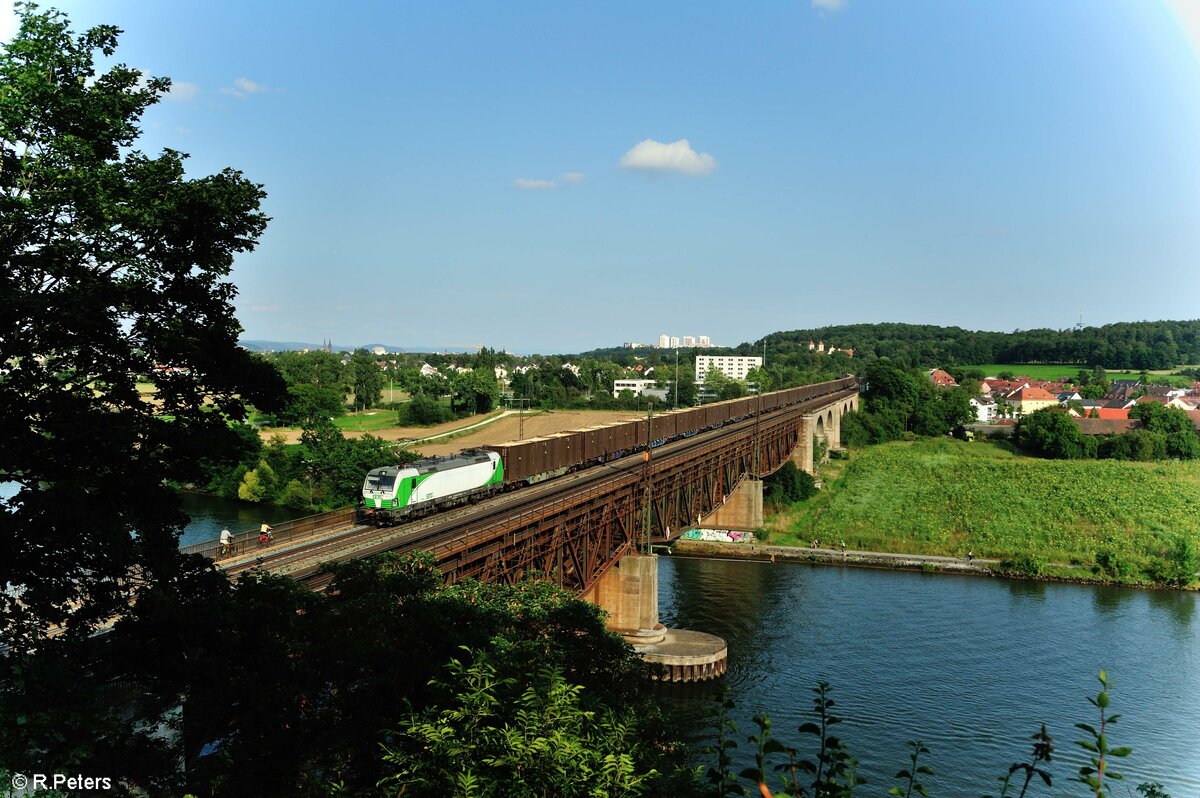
(1127, 345)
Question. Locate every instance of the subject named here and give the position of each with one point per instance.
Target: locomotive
(400, 491)
(392, 493)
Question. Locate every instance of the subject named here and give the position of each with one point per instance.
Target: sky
(556, 177)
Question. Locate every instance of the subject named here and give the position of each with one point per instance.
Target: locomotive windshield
(381, 481)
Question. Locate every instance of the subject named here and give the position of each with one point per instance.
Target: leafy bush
(1114, 565)
(424, 411)
(1024, 565)
(788, 485)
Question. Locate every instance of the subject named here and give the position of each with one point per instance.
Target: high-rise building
(674, 341)
(703, 342)
(664, 341)
(689, 340)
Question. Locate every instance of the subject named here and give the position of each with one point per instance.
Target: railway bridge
(589, 531)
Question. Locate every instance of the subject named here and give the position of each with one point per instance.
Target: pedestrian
(970, 555)
(226, 541)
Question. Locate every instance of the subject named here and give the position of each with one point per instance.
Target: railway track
(457, 529)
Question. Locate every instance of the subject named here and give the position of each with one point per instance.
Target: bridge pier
(628, 592)
(802, 455)
(742, 509)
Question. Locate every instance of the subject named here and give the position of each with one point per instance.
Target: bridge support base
(742, 510)
(628, 592)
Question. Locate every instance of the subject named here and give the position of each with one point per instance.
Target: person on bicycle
(264, 534)
(226, 541)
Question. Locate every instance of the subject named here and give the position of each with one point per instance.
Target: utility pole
(646, 477)
(676, 378)
(521, 417)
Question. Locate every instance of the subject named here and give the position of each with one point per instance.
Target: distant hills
(293, 346)
(1125, 345)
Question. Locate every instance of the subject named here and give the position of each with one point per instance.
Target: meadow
(948, 497)
(1043, 371)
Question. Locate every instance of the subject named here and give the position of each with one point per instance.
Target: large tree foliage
(367, 379)
(1050, 432)
(1173, 424)
(113, 271)
(897, 400)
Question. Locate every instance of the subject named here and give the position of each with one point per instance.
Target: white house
(639, 388)
(985, 408)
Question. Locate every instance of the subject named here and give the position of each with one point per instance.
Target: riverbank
(1101, 522)
(923, 563)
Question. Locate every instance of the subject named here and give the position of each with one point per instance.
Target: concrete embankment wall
(909, 562)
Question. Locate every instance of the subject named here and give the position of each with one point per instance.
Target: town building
(732, 366)
(689, 340)
(664, 342)
(1030, 400)
(942, 379)
(638, 388)
(985, 408)
(703, 342)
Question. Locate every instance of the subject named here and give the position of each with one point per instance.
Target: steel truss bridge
(574, 528)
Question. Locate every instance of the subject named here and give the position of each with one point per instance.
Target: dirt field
(500, 431)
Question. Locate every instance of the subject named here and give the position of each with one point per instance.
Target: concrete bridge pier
(802, 455)
(742, 509)
(628, 592)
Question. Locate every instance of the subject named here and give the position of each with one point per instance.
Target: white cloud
(243, 87)
(678, 156)
(573, 177)
(183, 92)
(829, 5)
(525, 184)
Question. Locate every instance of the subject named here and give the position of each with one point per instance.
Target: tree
(113, 267)
(1050, 432)
(523, 739)
(762, 378)
(367, 378)
(1182, 439)
(308, 404)
(477, 391)
(891, 388)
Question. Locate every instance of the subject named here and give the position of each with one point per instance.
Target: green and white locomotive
(395, 492)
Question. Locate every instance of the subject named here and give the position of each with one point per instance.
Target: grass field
(1042, 371)
(943, 496)
(1037, 372)
(366, 421)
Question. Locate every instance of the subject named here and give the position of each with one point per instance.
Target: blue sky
(555, 177)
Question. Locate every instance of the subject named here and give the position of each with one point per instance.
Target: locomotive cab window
(382, 481)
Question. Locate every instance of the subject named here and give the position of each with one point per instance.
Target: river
(969, 665)
(208, 514)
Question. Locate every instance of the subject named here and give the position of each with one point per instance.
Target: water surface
(971, 666)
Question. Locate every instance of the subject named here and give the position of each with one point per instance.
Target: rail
(283, 532)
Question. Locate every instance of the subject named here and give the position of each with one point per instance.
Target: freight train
(394, 493)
